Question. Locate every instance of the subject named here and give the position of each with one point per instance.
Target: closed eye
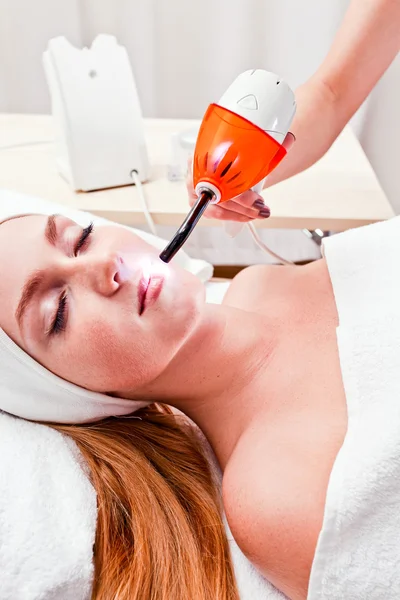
(84, 238)
(59, 321)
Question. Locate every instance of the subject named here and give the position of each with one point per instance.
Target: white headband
(29, 390)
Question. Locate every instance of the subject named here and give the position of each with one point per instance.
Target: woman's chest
(275, 485)
(276, 481)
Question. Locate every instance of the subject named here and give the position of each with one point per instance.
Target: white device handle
(267, 101)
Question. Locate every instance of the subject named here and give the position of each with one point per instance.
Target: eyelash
(59, 323)
(82, 242)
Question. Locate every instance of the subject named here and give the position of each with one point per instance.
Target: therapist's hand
(243, 208)
(317, 123)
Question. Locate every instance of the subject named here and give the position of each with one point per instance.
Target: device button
(249, 102)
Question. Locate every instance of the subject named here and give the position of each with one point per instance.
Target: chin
(186, 288)
(181, 307)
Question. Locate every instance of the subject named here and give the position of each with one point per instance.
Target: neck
(212, 377)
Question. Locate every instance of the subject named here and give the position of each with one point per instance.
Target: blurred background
(185, 53)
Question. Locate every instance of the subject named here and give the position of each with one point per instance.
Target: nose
(99, 271)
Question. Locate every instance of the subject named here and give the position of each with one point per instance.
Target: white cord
(142, 197)
(265, 248)
(35, 143)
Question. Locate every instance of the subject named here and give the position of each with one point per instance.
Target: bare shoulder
(248, 285)
(271, 519)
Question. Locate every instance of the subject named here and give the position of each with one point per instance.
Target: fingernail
(259, 204)
(265, 212)
(289, 141)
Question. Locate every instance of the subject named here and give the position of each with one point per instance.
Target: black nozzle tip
(165, 256)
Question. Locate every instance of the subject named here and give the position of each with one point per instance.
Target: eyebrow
(36, 280)
(50, 232)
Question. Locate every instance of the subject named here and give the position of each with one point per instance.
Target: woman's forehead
(18, 238)
(20, 254)
(15, 217)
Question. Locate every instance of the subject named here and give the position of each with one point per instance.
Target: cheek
(105, 356)
(114, 352)
(109, 349)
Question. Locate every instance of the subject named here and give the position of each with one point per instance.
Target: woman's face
(97, 308)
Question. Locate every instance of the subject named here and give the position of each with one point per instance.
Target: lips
(149, 290)
(142, 292)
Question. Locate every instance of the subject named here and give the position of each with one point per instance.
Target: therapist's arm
(367, 42)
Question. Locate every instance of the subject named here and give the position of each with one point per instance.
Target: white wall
(183, 52)
(380, 132)
(25, 27)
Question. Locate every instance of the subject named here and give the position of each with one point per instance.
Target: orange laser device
(238, 145)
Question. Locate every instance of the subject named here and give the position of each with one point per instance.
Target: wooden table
(339, 192)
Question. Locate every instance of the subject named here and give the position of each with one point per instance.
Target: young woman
(258, 374)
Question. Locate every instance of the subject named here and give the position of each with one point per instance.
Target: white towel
(47, 515)
(358, 552)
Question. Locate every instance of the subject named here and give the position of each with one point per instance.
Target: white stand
(96, 110)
